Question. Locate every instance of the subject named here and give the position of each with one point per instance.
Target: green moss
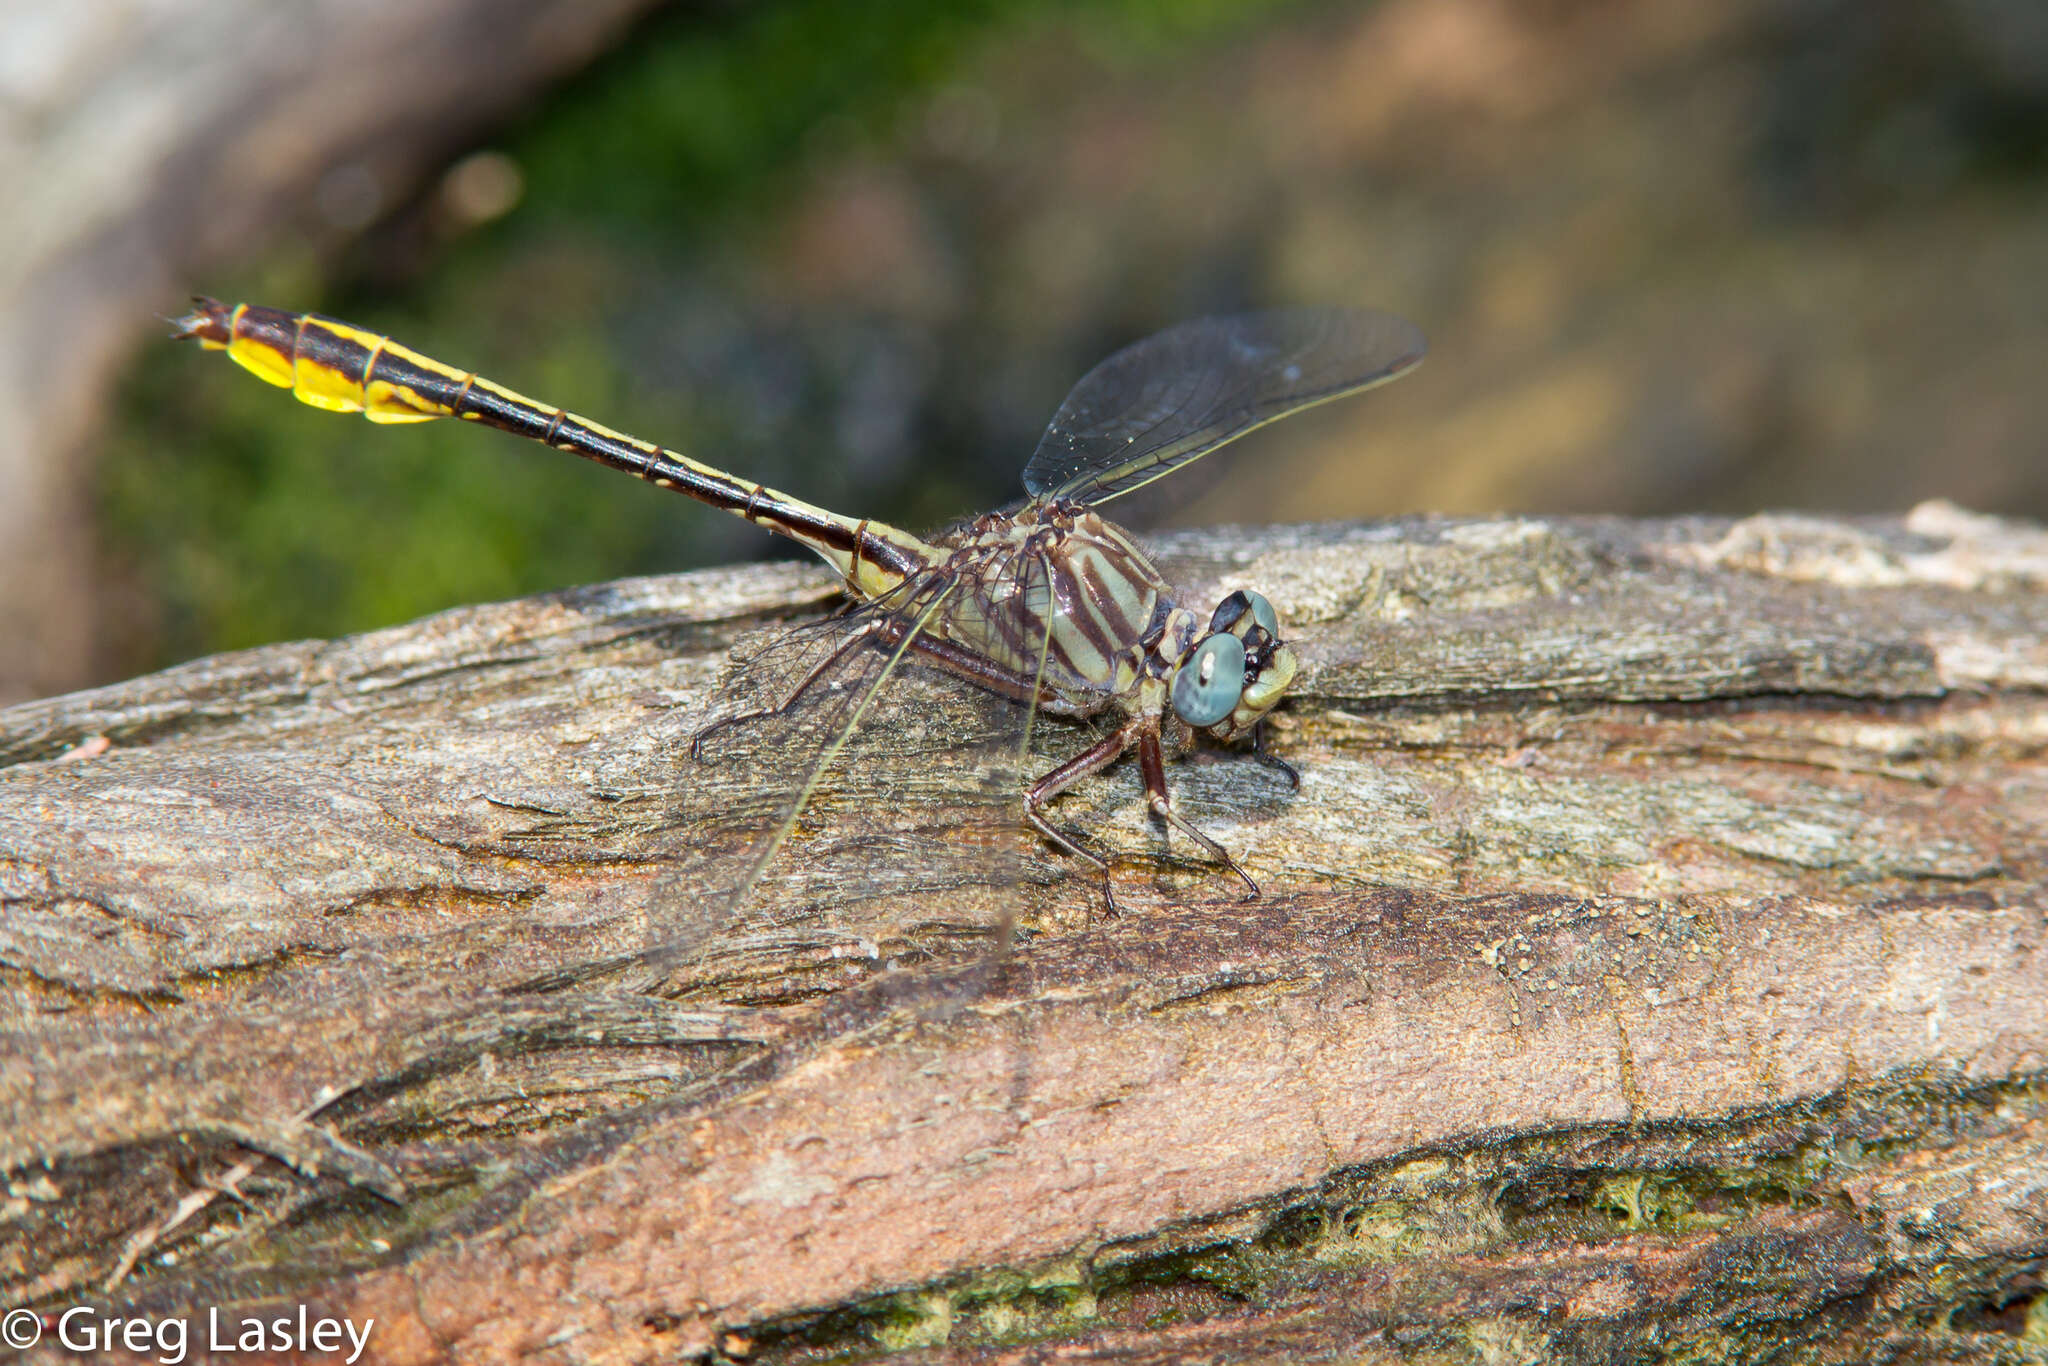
(1426, 1207)
(1002, 1306)
(1643, 1201)
(913, 1321)
(352, 1229)
(1240, 1271)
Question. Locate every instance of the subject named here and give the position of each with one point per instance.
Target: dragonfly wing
(1159, 403)
(857, 809)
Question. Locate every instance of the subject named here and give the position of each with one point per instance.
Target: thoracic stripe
(1102, 595)
(1107, 589)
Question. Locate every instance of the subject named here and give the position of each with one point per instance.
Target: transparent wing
(850, 800)
(1159, 403)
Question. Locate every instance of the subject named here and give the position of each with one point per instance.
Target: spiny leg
(1258, 753)
(1152, 763)
(1090, 761)
(1270, 759)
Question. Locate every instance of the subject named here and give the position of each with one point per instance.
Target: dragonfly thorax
(1057, 594)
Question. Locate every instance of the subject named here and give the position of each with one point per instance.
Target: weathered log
(1651, 957)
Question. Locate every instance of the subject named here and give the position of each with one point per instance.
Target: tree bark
(1649, 962)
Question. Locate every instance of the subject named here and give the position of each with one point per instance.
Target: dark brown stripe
(1095, 595)
(492, 408)
(819, 529)
(436, 390)
(1114, 632)
(330, 351)
(271, 327)
(1022, 627)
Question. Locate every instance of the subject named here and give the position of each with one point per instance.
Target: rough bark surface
(1650, 965)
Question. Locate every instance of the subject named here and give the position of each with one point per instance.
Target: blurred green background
(1672, 258)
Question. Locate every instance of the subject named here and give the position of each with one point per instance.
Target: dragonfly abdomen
(339, 367)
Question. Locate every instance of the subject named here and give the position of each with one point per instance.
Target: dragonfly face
(1051, 605)
(1237, 672)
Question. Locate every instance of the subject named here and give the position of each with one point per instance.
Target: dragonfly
(1047, 603)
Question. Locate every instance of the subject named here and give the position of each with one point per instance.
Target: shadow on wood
(1652, 954)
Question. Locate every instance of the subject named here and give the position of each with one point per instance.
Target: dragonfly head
(1237, 670)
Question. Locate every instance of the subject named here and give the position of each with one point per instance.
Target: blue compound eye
(1264, 615)
(1207, 687)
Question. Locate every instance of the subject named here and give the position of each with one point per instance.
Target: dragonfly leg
(1152, 763)
(853, 642)
(985, 673)
(1270, 759)
(1092, 760)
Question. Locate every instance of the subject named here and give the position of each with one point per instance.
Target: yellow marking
(868, 579)
(635, 442)
(372, 342)
(390, 403)
(386, 402)
(412, 357)
(383, 401)
(267, 363)
(323, 386)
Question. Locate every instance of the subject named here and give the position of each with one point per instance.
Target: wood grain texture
(1651, 960)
